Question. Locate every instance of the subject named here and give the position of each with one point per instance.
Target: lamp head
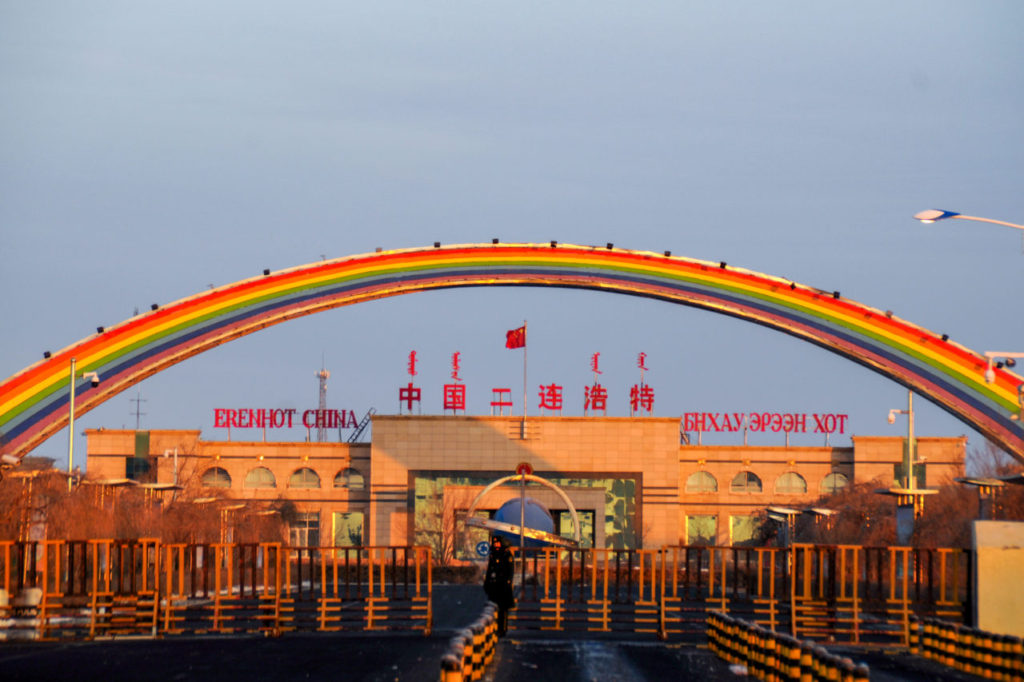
(933, 214)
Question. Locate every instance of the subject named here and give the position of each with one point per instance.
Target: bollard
(847, 671)
(467, 653)
(479, 630)
(806, 661)
(451, 668)
(793, 654)
(1013, 658)
(771, 660)
(490, 636)
(928, 649)
(915, 635)
(984, 654)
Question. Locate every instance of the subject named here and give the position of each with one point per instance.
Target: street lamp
(94, 380)
(910, 498)
(932, 215)
(908, 458)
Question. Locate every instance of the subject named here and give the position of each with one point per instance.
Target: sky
(149, 151)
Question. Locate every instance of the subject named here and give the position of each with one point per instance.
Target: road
(399, 657)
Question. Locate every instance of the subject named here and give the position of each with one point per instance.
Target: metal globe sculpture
(538, 523)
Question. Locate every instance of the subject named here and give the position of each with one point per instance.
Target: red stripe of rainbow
(34, 402)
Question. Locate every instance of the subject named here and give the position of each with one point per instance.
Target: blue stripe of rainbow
(34, 402)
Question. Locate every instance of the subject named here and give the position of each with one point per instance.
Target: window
(701, 529)
(304, 478)
(215, 477)
(563, 525)
(349, 478)
(260, 477)
(834, 482)
(790, 483)
(745, 482)
(701, 482)
(305, 530)
(348, 529)
(743, 530)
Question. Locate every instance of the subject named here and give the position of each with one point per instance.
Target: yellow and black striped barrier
(988, 655)
(471, 650)
(775, 657)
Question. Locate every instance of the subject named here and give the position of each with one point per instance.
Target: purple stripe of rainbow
(34, 402)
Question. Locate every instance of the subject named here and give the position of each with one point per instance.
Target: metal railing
(99, 588)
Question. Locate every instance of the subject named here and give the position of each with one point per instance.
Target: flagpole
(522, 428)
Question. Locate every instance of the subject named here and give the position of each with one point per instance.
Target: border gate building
(633, 481)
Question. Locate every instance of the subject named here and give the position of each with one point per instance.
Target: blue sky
(150, 150)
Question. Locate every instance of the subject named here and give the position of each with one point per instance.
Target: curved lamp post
(94, 379)
(932, 215)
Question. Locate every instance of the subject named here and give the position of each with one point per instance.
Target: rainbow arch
(34, 402)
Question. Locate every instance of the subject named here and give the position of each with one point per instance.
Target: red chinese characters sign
(551, 397)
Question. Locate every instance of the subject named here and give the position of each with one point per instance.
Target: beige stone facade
(631, 478)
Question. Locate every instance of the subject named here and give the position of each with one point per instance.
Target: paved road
(578, 660)
(398, 657)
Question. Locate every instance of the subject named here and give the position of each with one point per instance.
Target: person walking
(498, 581)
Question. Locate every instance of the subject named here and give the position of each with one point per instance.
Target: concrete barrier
(471, 650)
(775, 657)
(974, 651)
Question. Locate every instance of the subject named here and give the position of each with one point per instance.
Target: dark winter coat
(498, 581)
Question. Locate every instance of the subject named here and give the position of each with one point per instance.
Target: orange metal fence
(840, 593)
(850, 594)
(99, 588)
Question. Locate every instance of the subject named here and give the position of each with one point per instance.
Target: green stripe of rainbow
(34, 402)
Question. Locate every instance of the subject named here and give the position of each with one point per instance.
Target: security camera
(892, 416)
(9, 460)
(93, 377)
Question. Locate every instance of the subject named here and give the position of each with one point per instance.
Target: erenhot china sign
(259, 418)
(776, 422)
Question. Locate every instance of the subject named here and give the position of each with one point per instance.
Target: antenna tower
(321, 431)
(138, 400)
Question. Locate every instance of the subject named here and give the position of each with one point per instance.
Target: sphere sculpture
(537, 522)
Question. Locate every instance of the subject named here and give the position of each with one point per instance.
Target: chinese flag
(515, 338)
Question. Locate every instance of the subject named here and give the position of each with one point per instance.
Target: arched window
(304, 478)
(834, 482)
(790, 483)
(215, 477)
(349, 478)
(701, 482)
(745, 482)
(260, 477)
